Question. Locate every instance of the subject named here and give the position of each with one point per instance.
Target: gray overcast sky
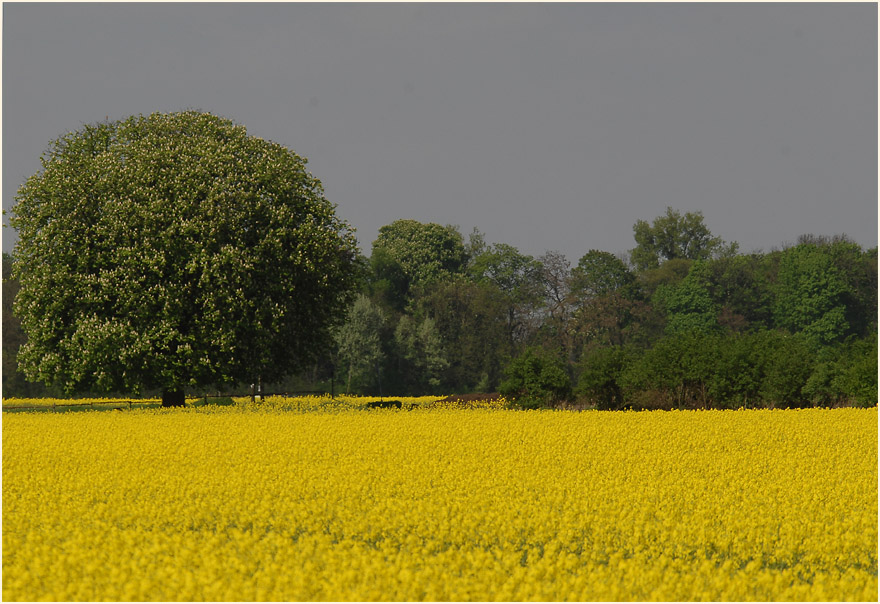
(547, 126)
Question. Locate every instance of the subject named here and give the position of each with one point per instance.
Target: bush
(856, 379)
(762, 369)
(739, 370)
(845, 374)
(536, 379)
(678, 369)
(599, 381)
(789, 363)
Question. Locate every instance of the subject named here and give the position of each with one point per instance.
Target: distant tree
(858, 269)
(555, 280)
(599, 379)
(476, 245)
(739, 370)
(175, 251)
(676, 373)
(13, 337)
(616, 319)
(504, 266)
(855, 378)
(358, 340)
(600, 273)
(517, 276)
(669, 273)
(471, 319)
(387, 283)
(675, 236)
(608, 303)
(788, 364)
(421, 346)
(411, 254)
(811, 294)
(739, 285)
(689, 306)
(845, 373)
(536, 378)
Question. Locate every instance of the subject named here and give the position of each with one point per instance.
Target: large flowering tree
(175, 251)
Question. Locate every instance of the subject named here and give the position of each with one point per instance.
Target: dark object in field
(385, 405)
(173, 398)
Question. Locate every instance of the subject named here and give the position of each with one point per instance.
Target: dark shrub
(385, 405)
(536, 379)
(599, 381)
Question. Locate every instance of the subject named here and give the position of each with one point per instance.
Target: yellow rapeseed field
(310, 500)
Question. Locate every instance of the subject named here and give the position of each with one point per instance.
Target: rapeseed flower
(322, 499)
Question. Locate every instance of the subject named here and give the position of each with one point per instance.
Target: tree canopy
(600, 273)
(175, 251)
(811, 293)
(674, 236)
(409, 253)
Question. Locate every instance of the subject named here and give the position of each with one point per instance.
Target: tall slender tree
(359, 340)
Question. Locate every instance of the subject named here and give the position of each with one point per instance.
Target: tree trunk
(173, 397)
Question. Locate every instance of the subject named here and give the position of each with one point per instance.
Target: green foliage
(818, 389)
(358, 340)
(739, 370)
(615, 320)
(845, 374)
(740, 287)
(416, 254)
(388, 283)
(767, 368)
(676, 372)
(858, 270)
(14, 381)
(689, 306)
(810, 294)
(610, 309)
(558, 308)
(471, 319)
(599, 380)
(421, 346)
(600, 274)
(670, 273)
(674, 236)
(475, 245)
(222, 401)
(536, 379)
(175, 250)
(517, 276)
(788, 363)
(505, 267)
(855, 378)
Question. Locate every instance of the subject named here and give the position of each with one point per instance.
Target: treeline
(683, 321)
